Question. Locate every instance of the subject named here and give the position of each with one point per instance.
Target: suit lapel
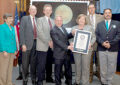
(104, 26)
(30, 23)
(110, 27)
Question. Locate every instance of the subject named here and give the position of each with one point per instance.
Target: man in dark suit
(108, 36)
(60, 48)
(28, 36)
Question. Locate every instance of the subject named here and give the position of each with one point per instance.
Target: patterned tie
(34, 29)
(92, 20)
(107, 27)
(50, 23)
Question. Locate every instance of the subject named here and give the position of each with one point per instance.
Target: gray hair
(6, 15)
(47, 5)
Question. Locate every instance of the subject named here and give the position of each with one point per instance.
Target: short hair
(47, 5)
(6, 15)
(91, 4)
(58, 16)
(107, 9)
(32, 6)
(79, 16)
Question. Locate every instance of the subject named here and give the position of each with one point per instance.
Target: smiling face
(47, 11)
(81, 20)
(32, 10)
(107, 14)
(58, 21)
(9, 20)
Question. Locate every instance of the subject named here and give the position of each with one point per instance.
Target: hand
(70, 48)
(24, 48)
(73, 32)
(5, 53)
(106, 44)
(15, 52)
(51, 44)
(90, 47)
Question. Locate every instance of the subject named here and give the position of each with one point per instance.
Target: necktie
(107, 27)
(50, 23)
(92, 20)
(34, 29)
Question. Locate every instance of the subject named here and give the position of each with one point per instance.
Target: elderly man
(28, 35)
(60, 48)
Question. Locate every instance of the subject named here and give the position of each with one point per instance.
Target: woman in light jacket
(7, 50)
(82, 61)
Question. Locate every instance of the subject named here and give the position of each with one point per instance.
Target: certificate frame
(81, 47)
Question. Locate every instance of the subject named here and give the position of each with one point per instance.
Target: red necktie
(50, 23)
(34, 29)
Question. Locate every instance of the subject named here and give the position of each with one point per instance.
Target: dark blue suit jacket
(112, 35)
(60, 42)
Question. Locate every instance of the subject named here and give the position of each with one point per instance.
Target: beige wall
(6, 6)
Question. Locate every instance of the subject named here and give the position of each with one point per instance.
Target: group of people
(39, 37)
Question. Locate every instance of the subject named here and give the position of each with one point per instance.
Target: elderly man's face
(32, 10)
(58, 21)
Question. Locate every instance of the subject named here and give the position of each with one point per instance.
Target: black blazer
(112, 35)
(60, 42)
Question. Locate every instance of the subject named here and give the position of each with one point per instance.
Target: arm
(98, 39)
(117, 37)
(21, 31)
(40, 31)
(93, 37)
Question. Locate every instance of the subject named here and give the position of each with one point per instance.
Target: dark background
(77, 8)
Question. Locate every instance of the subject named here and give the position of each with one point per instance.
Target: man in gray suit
(44, 41)
(28, 36)
(93, 19)
(108, 36)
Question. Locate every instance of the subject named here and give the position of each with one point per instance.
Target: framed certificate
(81, 41)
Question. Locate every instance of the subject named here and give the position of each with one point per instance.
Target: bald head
(32, 10)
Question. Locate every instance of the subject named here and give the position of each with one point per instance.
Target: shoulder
(99, 15)
(75, 27)
(41, 18)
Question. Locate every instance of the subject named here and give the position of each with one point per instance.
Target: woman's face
(81, 21)
(9, 20)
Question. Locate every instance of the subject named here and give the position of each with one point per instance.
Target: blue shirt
(7, 39)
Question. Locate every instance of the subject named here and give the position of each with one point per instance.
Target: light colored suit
(98, 18)
(43, 32)
(82, 61)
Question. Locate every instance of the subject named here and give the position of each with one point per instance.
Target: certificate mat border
(89, 38)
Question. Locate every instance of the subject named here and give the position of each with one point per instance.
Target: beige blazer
(98, 18)
(43, 33)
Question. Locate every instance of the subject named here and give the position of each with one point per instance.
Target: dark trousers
(29, 57)
(41, 62)
(20, 62)
(58, 69)
(49, 62)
